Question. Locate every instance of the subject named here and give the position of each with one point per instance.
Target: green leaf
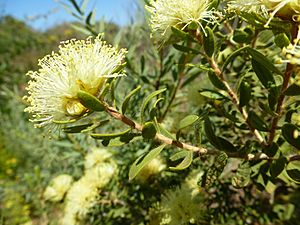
(292, 90)
(210, 133)
(186, 49)
(214, 4)
(293, 170)
(241, 36)
(149, 130)
(143, 160)
(199, 66)
(264, 75)
(232, 56)
(88, 18)
(148, 99)
(218, 142)
(209, 43)
(76, 129)
(277, 166)
(294, 174)
(271, 150)
(187, 121)
(245, 93)
(181, 34)
(90, 101)
(242, 177)
(104, 91)
(212, 94)
(263, 61)
(110, 136)
(142, 63)
(81, 29)
(179, 155)
(165, 132)
(128, 97)
(257, 122)
(216, 81)
(225, 145)
(185, 163)
(290, 133)
(76, 6)
(119, 68)
(273, 96)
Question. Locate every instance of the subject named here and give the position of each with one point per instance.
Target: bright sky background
(49, 12)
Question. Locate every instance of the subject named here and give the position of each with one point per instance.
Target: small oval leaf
(128, 97)
(187, 121)
(263, 60)
(185, 163)
(212, 94)
(216, 81)
(245, 93)
(90, 101)
(148, 99)
(277, 166)
(292, 90)
(209, 43)
(76, 129)
(257, 122)
(288, 132)
(143, 160)
(110, 136)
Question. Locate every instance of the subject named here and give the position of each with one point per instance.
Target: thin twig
(231, 93)
(177, 87)
(286, 79)
(279, 108)
(200, 150)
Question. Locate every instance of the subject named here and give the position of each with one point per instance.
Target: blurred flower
(79, 65)
(58, 187)
(179, 206)
(154, 167)
(83, 194)
(95, 157)
(284, 9)
(192, 181)
(296, 119)
(292, 54)
(256, 6)
(178, 13)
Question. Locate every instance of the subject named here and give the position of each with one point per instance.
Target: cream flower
(178, 13)
(95, 157)
(79, 65)
(256, 6)
(179, 206)
(284, 9)
(153, 168)
(291, 54)
(58, 187)
(83, 194)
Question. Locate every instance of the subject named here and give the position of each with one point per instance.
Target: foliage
(204, 129)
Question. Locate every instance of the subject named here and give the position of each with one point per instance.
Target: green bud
(149, 130)
(281, 40)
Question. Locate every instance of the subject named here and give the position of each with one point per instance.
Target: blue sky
(42, 14)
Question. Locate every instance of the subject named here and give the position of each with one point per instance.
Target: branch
(286, 79)
(279, 108)
(231, 93)
(200, 150)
